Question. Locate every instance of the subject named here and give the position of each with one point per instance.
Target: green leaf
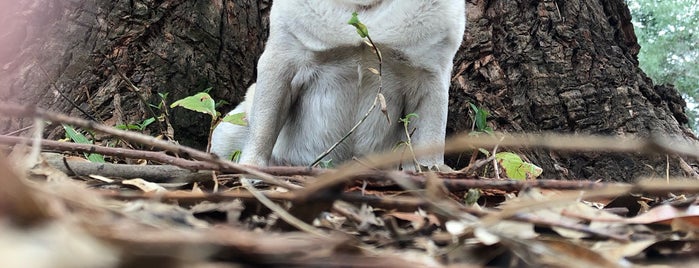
(399, 145)
(77, 137)
(220, 103)
(96, 158)
(515, 168)
(235, 157)
(361, 28)
(122, 127)
(201, 102)
(237, 119)
(406, 119)
(163, 97)
(472, 196)
(481, 118)
(484, 151)
(145, 123)
(140, 126)
(326, 164)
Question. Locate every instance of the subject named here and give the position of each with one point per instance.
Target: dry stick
(159, 157)
(409, 143)
(143, 139)
(439, 205)
(15, 132)
(549, 141)
(36, 141)
(16, 110)
(667, 167)
(456, 182)
(453, 181)
(177, 169)
(354, 128)
(476, 164)
(281, 212)
(590, 143)
(399, 202)
(495, 161)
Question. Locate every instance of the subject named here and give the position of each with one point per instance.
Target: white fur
(228, 138)
(310, 92)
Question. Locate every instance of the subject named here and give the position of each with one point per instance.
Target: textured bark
(172, 46)
(565, 66)
(562, 66)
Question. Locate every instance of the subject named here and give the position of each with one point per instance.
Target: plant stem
(366, 115)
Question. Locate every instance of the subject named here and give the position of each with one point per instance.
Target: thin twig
(16, 132)
(281, 212)
(159, 157)
(459, 143)
(16, 110)
(36, 141)
(409, 144)
(495, 161)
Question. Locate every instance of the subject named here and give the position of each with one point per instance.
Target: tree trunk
(561, 66)
(565, 66)
(79, 49)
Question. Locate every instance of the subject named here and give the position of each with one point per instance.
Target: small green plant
(408, 141)
(138, 126)
(480, 119)
(78, 137)
(361, 28)
(163, 97)
(236, 119)
(203, 103)
(326, 164)
(200, 102)
(235, 157)
(471, 197)
(513, 165)
(515, 168)
(162, 118)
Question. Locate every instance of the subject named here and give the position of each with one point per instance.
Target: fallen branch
(159, 157)
(26, 111)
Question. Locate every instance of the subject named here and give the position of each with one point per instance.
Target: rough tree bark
(78, 49)
(537, 65)
(565, 66)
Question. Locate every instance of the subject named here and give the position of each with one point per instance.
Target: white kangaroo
(314, 82)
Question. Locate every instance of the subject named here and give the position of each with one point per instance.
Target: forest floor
(156, 203)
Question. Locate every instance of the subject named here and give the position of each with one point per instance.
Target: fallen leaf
(145, 186)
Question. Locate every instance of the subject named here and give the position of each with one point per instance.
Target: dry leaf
(145, 186)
